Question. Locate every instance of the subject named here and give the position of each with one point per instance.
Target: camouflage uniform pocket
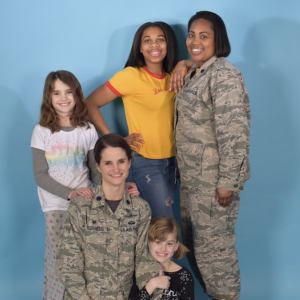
(219, 217)
(223, 219)
(127, 236)
(208, 217)
(189, 159)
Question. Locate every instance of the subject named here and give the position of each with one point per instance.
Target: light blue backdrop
(92, 38)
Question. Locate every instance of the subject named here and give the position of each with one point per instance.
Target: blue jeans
(156, 182)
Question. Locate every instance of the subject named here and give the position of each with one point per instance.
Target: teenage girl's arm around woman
(100, 97)
(178, 74)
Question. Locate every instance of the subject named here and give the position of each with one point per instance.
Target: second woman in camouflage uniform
(212, 144)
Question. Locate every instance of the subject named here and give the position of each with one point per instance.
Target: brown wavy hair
(161, 227)
(49, 118)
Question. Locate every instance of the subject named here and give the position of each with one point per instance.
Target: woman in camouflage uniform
(104, 239)
(212, 120)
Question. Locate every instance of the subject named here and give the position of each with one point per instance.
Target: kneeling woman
(104, 239)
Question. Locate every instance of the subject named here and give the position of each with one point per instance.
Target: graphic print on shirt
(65, 157)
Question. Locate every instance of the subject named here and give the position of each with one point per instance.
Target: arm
(136, 294)
(95, 175)
(98, 98)
(178, 74)
(42, 177)
(46, 182)
(145, 265)
(232, 123)
(159, 282)
(69, 259)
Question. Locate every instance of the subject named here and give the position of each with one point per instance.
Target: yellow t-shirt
(149, 109)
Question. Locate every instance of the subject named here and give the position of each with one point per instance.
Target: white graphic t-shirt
(66, 153)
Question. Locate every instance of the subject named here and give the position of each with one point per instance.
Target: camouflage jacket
(99, 250)
(212, 124)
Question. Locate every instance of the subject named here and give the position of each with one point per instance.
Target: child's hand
(132, 189)
(86, 192)
(159, 282)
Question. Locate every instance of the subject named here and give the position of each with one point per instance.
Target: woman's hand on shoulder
(224, 197)
(135, 141)
(86, 192)
(132, 189)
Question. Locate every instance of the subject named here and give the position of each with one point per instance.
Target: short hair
(136, 58)
(110, 140)
(48, 117)
(161, 227)
(222, 44)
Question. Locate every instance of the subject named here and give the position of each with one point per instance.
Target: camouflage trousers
(208, 232)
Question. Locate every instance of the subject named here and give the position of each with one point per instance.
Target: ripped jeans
(155, 180)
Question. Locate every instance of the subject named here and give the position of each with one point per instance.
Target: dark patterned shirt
(181, 287)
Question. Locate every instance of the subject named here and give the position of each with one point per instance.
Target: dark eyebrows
(122, 158)
(148, 36)
(201, 32)
(67, 90)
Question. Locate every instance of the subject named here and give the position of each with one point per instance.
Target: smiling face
(164, 251)
(62, 98)
(153, 46)
(200, 41)
(114, 166)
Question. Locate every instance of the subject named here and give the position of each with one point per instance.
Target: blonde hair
(161, 227)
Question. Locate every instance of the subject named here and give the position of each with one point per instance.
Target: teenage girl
(149, 109)
(176, 281)
(63, 163)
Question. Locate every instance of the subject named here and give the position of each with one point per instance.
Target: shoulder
(128, 71)
(41, 129)
(91, 130)
(80, 204)
(224, 72)
(140, 204)
(40, 134)
(222, 65)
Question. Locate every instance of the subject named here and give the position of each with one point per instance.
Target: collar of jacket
(99, 199)
(204, 67)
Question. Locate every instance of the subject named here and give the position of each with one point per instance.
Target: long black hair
(136, 58)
